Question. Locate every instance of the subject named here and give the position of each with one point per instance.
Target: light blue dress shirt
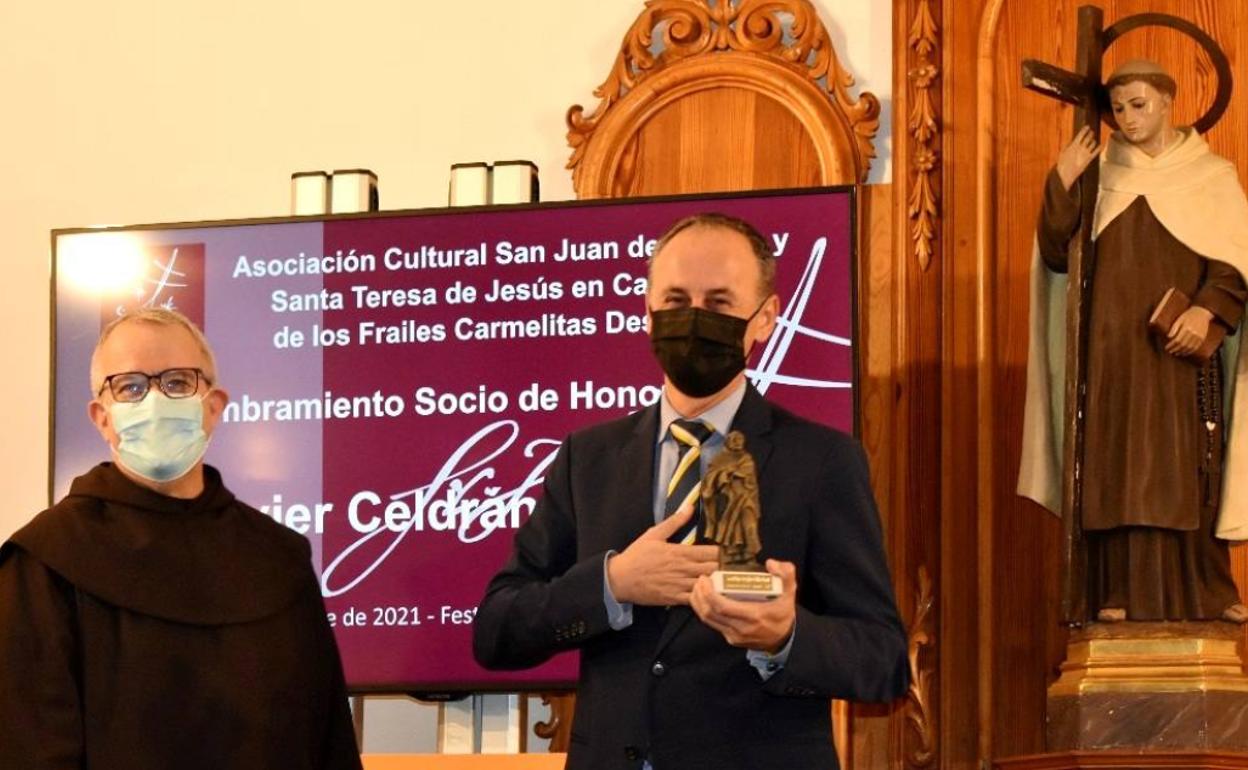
(719, 418)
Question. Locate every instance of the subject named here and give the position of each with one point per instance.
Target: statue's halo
(1221, 65)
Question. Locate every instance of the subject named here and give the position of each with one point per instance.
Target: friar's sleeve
(1223, 293)
(40, 712)
(340, 751)
(1059, 218)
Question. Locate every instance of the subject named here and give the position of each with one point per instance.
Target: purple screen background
(455, 485)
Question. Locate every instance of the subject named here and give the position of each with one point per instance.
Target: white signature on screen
(459, 498)
(166, 278)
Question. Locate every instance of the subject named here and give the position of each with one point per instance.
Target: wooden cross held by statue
(1083, 88)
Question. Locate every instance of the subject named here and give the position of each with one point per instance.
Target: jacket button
(632, 752)
(658, 669)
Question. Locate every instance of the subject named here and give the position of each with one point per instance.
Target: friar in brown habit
(149, 620)
(1164, 467)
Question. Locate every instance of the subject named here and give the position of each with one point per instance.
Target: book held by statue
(1172, 305)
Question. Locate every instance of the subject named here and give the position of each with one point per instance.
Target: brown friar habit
(1154, 423)
(146, 632)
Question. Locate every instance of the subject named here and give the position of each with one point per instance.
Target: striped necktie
(686, 481)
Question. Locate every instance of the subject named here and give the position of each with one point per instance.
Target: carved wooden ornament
(921, 751)
(558, 728)
(778, 49)
(924, 127)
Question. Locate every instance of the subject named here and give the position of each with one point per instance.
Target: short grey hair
(157, 316)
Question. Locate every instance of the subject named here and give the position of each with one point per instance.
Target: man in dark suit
(674, 675)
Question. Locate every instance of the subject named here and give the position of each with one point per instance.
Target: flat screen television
(400, 380)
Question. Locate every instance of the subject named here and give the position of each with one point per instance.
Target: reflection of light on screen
(263, 456)
(101, 263)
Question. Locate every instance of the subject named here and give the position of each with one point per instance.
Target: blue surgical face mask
(160, 438)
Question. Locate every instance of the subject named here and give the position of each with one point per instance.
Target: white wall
(137, 111)
(129, 112)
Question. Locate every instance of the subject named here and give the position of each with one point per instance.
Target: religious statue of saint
(1164, 472)
(731, 506)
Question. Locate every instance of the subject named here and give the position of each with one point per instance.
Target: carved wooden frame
(705, 46)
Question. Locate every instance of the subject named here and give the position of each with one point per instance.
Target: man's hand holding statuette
(764, 626)
(652, 571)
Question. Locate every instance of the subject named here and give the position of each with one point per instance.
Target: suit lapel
(637, 464)
(753, 419)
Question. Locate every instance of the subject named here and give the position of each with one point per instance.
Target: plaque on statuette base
(731, 508)
(747, 586)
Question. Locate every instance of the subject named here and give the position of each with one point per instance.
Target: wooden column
(903, 339)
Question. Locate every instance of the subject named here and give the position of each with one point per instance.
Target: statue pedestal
(1128, 760)
(1148, 687)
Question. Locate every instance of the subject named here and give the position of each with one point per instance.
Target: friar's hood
(210, 560)
(1193, 193)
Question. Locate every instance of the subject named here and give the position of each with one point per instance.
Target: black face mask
(699, 350)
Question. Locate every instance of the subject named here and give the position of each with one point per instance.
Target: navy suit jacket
(669, 688)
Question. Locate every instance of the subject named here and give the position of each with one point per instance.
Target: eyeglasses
(132, 387)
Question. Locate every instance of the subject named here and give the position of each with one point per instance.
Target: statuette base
(747, 586)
